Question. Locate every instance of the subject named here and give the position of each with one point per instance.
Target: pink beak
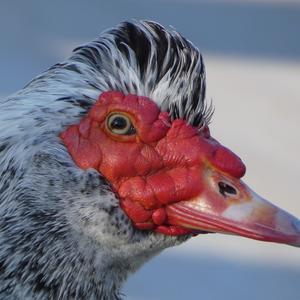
(227, 205)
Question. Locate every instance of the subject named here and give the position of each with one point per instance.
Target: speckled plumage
(62, 232)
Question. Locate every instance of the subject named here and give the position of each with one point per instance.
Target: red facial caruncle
(169, 176)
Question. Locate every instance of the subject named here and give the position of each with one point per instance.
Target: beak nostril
(225, 189)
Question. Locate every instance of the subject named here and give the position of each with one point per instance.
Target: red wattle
(159, 216)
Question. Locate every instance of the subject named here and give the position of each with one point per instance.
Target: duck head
(171, 177)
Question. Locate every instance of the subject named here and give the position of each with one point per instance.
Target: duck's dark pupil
(118, 123)
(226, 189)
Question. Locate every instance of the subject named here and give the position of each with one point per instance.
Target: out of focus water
(212, 277)
(252, 53)
(35, 34)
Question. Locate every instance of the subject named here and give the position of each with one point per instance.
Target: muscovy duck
(106, 159)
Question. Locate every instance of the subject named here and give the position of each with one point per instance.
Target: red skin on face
(159, 165)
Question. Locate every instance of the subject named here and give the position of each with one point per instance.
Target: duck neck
(60, 269)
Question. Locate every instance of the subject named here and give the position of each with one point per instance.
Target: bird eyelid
(120, 123)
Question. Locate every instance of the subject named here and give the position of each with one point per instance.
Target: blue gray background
(252, 51)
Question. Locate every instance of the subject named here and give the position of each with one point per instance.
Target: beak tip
(290, 225)
(296, 243)
(297, 226)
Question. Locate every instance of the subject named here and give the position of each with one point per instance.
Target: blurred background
(252, 55)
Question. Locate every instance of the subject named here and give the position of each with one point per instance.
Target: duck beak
(227, 205)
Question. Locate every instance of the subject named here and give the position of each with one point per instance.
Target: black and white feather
(62, 232)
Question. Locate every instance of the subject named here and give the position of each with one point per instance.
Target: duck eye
(120, 124)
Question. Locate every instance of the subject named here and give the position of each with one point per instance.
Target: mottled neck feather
(65, 237)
